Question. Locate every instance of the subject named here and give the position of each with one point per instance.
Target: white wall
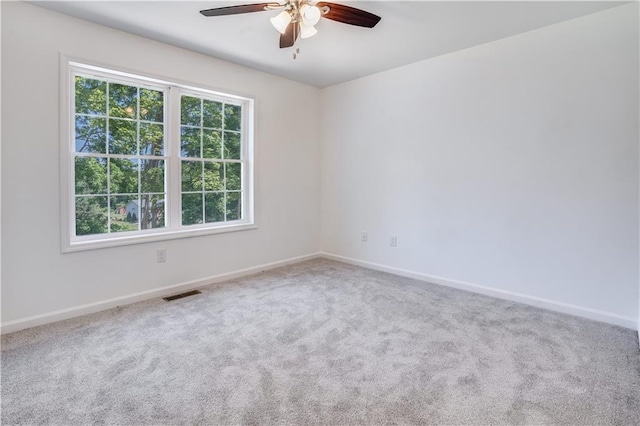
(36, 277)
(511, 165)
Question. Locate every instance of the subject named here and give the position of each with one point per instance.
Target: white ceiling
(408, 32)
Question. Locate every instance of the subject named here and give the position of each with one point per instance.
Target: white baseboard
(90, 308)
(565, 308)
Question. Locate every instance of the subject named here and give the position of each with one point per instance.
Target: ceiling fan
(299, 17)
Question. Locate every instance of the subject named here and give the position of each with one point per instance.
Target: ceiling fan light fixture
(281, 21)
(299, 17)
(307, 31)
(310, 14)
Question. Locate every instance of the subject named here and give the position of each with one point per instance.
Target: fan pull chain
(296, 53)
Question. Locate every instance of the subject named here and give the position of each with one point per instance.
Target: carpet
(322, 342)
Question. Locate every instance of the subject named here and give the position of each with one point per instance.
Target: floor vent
(181, 295)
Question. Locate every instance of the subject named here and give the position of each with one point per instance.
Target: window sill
(76, 246)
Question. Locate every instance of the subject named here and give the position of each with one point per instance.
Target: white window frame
(173, 228)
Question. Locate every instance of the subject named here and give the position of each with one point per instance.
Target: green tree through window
(150, 159)
(119, 157)
(210, 148)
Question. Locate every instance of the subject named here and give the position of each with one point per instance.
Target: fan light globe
(307, 31)
(281, 21)
(310, 14)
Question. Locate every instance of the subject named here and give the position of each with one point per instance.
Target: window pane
(213, 176)
(214, 207)
(91, 134)
(91, 96)
(151, 175)
(211, 144)
(234, 209)
(123, 137)
(231, 146)
(124, 213)
(151, 139)
(123, 101)
(91, 215)
(91, 175)
(191, 209)
(233, 174)
(191, 176)
(232, 117)
(190, 113)
(123, 175)
(212, 114)
(151, 105)
(190, 142)
(152, 211)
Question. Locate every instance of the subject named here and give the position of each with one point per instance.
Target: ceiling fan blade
(245, 8)
(349, 15)
(290, 35)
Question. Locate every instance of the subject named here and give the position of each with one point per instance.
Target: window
(150, 159)
(211, 161)
(119, 163)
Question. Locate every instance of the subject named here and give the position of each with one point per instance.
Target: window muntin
(119, 166)
(211, 165)
(152, 158)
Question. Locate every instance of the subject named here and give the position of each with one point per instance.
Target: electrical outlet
(364, 237)
(393, 241)
(161, 255)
